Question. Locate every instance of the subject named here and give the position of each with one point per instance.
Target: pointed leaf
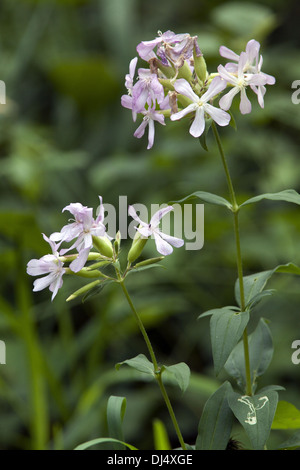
(255, 283)
(288, 195)
(181, 373)
(216, 421)
(226, 329)
(140, 363)
(202, 138)
(260, 353)
(207, 197)
(218, 310)
(256, 414)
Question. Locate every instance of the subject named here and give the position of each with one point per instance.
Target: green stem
(155, 365)
(235, 209)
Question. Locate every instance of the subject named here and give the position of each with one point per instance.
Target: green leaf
(161, 439)
(288, 195)
(181, 373)
(287, 416)
(207, 197)
(103, 440)
(116, 408)
(216, 421)
(202, 138)
(255, 283)
(226, 329)
(255, 413)
(140, 363)
(218, 310)
(260, 353)
(232, 122)
(292, 443)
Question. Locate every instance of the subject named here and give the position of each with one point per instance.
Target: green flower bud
(117, 242)
(83, 290)
(104, 246)
(185, 72)
(136, 248)
(200, 67)
(149, 261)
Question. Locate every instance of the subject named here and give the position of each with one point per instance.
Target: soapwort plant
(172, 84)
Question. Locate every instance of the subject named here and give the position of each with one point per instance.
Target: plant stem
(157, 371)
(235, 209)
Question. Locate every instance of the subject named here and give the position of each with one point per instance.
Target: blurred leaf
(90, 81)
(287, 416)
(103, 440)
(216, 421)
(292, 443)
(245, 19)
(116, 408)
(161, 439)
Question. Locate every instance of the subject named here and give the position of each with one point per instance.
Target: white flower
(48, 264)
(83, 228)
(201, 106)
(246, 70)
(163, 242)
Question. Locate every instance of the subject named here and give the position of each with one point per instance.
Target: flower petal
(228, 53)
(245, 104)
(226, 100)
(184, 88)
(177, 242)
(198, 125)
(163, 247)
(156, 218)
(189, 109)
(218, 115)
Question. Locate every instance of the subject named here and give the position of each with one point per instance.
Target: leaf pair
(179, 372)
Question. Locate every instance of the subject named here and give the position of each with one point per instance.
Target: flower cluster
(87, 233)
(177, 83)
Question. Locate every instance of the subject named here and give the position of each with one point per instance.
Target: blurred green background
(64, 137)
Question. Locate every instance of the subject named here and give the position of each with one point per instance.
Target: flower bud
(104, 246)
(136, 248)
(117, 242)
(200, 67)
(149, 261)
(83, 290)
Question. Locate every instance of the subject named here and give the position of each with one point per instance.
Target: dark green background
(64, 137)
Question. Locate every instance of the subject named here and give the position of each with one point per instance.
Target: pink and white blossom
(200, 106)
(247, 65)
(83, 228)
(239, 82)
(50, 265)
(163, 241)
